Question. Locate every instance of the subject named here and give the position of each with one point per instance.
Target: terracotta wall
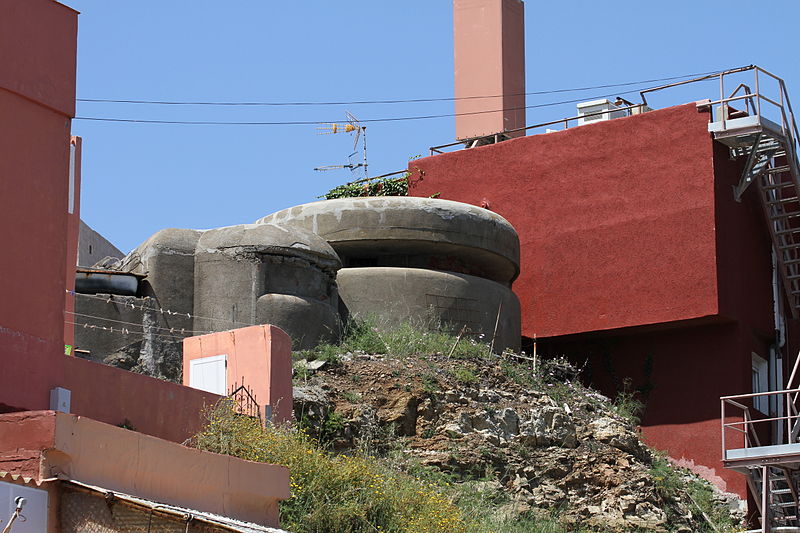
(258, 356)
(489, 54)
(37, 99)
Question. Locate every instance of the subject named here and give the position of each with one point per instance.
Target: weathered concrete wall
(238, 265)
(143, 339)
(411, 232)
(153, 344)
(93, 247)
(396, 295)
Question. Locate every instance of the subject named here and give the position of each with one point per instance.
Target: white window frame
(760, 382)
(198, 379)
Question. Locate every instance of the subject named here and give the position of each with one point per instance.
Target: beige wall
(120, 460)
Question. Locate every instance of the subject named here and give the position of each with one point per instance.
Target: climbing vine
(380, 187)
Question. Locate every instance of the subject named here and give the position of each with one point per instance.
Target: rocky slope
(538, 442)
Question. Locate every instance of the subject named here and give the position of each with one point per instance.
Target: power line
(396, 101)
(369, 120)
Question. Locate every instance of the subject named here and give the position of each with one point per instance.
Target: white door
(209, 374)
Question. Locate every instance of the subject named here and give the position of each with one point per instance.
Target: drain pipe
(776, 352)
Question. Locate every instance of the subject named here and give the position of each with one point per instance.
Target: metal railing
(747, 425)
(752, 98)
(565, 121)
(753, 102)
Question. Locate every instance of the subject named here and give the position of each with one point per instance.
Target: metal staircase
(773, 471)
(781, 497)
(770, 147)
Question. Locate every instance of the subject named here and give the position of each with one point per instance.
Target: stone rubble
(575, 454)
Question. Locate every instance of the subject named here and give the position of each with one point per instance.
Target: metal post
(724, 108)
(765, 526)
(723, 428)
(758, 96)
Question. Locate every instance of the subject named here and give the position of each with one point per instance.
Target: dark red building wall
(37, 98)
(616, 219)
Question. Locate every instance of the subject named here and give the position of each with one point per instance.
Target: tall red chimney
(489, 45)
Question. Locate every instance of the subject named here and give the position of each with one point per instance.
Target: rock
(488, 396)
(549, 426)
(400, 411)
(453, 431)
(311, 402)
(616, 434)
(547, 495)
(508, 422)
(317, 364)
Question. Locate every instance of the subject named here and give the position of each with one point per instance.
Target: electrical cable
(372, 120)
(397, 101)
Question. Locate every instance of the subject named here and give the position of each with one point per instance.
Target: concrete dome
(410, 231)
(270, 239)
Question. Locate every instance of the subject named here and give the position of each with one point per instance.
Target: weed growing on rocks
(335, 494)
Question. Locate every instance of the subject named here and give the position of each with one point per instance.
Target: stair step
(777, 170)
(783, 200)
(779, 185)
(792, 214)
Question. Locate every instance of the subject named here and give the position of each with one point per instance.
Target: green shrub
(334, 494)
(464, 375)
(378, 187)
(366, 334)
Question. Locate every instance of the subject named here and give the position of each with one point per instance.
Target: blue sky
(139, 178)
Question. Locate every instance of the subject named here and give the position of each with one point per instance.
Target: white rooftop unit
(605, 108)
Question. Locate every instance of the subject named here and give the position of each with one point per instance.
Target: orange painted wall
(37, 100)
(259, 355)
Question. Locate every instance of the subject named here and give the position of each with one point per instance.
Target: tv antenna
(359, 132)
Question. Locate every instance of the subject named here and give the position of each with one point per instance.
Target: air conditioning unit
(597, 111)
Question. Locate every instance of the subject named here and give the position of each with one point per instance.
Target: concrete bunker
(420, 259)
(405, 259)
(267, 274)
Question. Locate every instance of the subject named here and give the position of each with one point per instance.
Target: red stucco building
(636, 262)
